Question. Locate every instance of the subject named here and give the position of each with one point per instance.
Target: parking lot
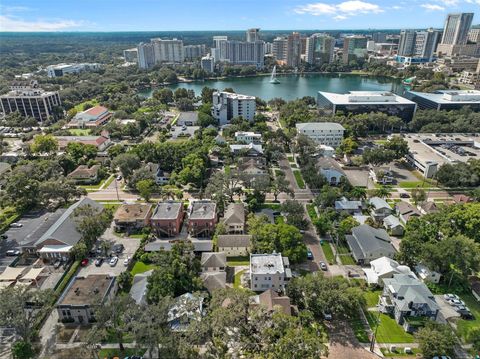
(446, 310)
(401, 172)
(358, 177)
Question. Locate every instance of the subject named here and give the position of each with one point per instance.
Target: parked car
(118, 248)
(98, 262)
(309, 255)
(113, 261)
(119, 178)
(323, 266)
(84, 262)
(327, 315)
(126, 261)
(466, 314)
(16, 225)
(13, 252)
(3, 236)
(57, 264)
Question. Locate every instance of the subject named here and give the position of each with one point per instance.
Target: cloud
(432, 7)
(10, 23)
(341, 10)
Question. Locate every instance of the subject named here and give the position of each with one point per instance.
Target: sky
(183, 15)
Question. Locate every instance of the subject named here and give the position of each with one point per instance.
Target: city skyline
(190, 15)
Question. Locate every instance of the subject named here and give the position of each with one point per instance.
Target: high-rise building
(218, 39)
(406, 46)
(30, 101)
(320, 49)
(227, 106)
(474, 36)
(219, 49)
(194, 51)
(253, 35)
(456, 28)
(243, 53)
(146, 55)
(130, 55)
(279, 49)
(168, 50)
(268, 47)
(379, 37)
(208, 63)
(294, 50)
(425, 44)
(354, 47)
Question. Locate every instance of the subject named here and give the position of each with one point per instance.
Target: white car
(126, 261)
(113, 261)
(16, 225)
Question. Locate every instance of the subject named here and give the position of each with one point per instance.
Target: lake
(294, 86)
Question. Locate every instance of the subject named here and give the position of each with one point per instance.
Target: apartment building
(324, 133)
(269, 271)
(228, 105)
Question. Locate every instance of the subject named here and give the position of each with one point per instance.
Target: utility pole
(116, 189)
(372, 342)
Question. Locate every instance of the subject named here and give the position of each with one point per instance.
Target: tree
(377, 156)
(44, 144)
(222, 188)
(207, 94)
(347, 146)
(125, 280)
(146, 188)
(474, 338)
(435, 339)
(323, 224)
(345, 226)
(327, 197)
(79, 250)
(358, 193)
(127, 163)
(398, 145)
(382, 192)
(295, 213)
(164, 95)
(418, 195)
(22, 350)
(279, 185)
(80, 152)
(91, 222)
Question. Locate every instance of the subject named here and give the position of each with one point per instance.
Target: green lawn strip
(400, 353)
(273, 206)
(347, 260)
(311, 211)
(359, 330)
(380, 142)
(92, 102)
(388, 330)
(238, 261)
(112, 206)
(237, 279)
(93, 186)
(299, 179)
(141, 267)
(136, 235)
(290, 159)
(465, 326)
(80, 131)
(328, 252)
(414, 184)
(109, 181)
(371, 296)
(293, 165)
(279, 172)
(227, 170)
(343, 249)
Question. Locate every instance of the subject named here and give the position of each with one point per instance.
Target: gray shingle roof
(234, 214)
(214, 280)
(234, 240)
(214, 259)
(167, 210)
(366, 239)
(379, 203)
(203, 210)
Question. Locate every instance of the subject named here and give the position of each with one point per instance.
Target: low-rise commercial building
(446, 99)
(323, 133)
(64, 69)
(357, 102)
(92, 117)
(100, 142)
(269, 271)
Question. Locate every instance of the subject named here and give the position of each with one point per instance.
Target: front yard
(388, 330)
(465, 326)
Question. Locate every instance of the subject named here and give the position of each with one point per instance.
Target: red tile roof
(96, 111)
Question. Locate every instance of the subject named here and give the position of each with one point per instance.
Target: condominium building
(379, 37)
(456, 28)
(406, 44)
(279, 49)
(130, 55)
(228, 105)
(145, 55)
(208, 63)
(294, 50)
(248, 137)
(253, 35)
(166, 50)
(354, 47)
(474, 35)
(269, 271)
(30, 101)
(64, 69)
(323, 133)
(319, 49)
(194, 51)
(420, 45)
(241, 53)
(357, 102)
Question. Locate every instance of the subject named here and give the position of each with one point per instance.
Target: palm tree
(383, 191)
(359, 193)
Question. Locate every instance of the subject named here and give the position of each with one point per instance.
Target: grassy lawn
(359, 329)
(112, 206)
(111, 353)
(237, 281)
(328, 252)
(464, 326)
(80, 131)
(293, 165)
(279, 173)
(79, 107)
(371, 296)
(109, 181)
(388, 330)
(94, 186)
(273, 206)
(299, 179)
(400, 353)
(311, 211)
(238, 261)
(227, 170)
(290, 159)
(414, 184)
(141, 267)
(380, 142)
(342, 248)
(347, 260)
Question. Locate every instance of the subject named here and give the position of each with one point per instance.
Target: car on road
(323, 266)
(16, 225)
(3, 236)
(404, 195)
(99, 262)
(119, 178)
(113, 261)
(12, 252)
(57, 264)
(309, 255)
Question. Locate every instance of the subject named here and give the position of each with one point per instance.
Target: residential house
(250, 150)
(379, 208)
(76, 303)
(271, 300)
(159, 176)
(248, 137)
(234, 245)
(213, 274)
(59, 239)
(382, 175)
(269, 271)
(138, 290)
(326, 151)
(382, 268)
(405, 211)
(407, 299)
(427, 207)
(393, 226)
(367, 244)
(132, 217)
(461, 199)
(331, 170)
(167, 218)
(214, 280)
(93, 117)
(202, 219)
(252, 166)
(187, 308)
(234, 218)
(427, 275)
(84, 175)
(100, 142)
(346, 206)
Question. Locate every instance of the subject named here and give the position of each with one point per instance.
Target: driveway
(446, 310)
(358, 177)
(344, 344)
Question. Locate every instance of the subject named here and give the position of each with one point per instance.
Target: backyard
(371, 296)
(141, 267)
(237, 281)
(238, 261)
(388, 330)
